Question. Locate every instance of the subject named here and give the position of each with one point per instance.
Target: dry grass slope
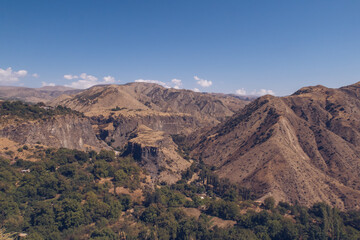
(302, 148)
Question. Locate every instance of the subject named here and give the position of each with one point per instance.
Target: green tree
(108, 156)
(269, 203)
(69, 214)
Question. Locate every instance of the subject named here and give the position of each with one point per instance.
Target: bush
(269, 203)
(223, 209)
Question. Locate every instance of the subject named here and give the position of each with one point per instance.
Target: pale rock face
(120, 128)
(67, 131)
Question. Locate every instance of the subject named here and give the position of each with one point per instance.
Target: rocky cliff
(64, 130)
(158, 154)
(61, 131)
(117, 129)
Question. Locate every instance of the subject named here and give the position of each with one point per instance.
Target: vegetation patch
(70, 194)
(32, 111)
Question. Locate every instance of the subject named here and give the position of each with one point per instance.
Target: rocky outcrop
(119, 129)
(157, 153)
(68, 131)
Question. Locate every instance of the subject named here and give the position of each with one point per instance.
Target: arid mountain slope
(153, 98)
(119, 109)
(101, 98)
(35, 95)
(302, 148)
(120, 112)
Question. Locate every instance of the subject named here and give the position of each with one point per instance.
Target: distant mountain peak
(56, 88)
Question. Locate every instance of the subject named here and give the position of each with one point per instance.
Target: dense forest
(69, 194)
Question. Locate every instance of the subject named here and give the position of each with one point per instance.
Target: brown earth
(302, 148)
(214, 221)
(10, 149)
(137, 195)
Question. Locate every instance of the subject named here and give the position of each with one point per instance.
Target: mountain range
(34, 95)
(303, 148)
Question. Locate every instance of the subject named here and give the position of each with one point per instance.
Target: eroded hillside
(302, 148)
(53, 127)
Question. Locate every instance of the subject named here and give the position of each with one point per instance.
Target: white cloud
(87, 81)
(70, 77)
(262, 92)
(203, 82)
(35, 75)
(9, 76)
(241, 91)
(109, 79)
(153, 81)
(177, 83)
(88, 77)
(45, 84)
(196, 90)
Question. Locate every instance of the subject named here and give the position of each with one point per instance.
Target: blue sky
(214, 46)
